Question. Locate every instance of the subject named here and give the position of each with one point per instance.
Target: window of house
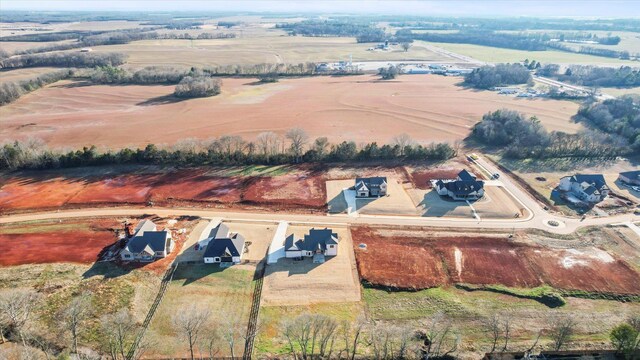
(217, 259)
(127, 256)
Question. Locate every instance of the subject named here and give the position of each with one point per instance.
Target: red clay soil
(76, 246)
(420, 262)
(422, 179)
(118, 189)
(290, 189)
(301, 190)
(22, 193)
(193, 185)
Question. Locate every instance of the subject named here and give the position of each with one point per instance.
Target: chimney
(128, 229)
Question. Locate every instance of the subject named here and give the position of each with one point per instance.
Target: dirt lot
(482, 260)
(292, 282)
(430, 108)
(75, 241)
(290, 188)
(397, 202)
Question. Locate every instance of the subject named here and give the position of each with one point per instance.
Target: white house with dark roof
(317, 244)
(147, 243)
(465, 187)
(371, 187)
(630, 177)
(589, 188)
(224, 247)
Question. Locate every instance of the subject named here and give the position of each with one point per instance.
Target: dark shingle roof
(316, 239)
(460, 187)
(596, 180)
(220, 247)
(464, 175)
(631, 174)
(156, 240)
(371, 182)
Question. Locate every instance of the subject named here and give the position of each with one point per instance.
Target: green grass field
(226, 293)
(499, 55)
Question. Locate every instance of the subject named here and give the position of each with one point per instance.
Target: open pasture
(415, 261)
(430, 108)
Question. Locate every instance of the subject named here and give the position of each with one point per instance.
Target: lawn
(500, 55)
(225, 293)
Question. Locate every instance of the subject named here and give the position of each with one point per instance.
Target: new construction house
(371, 187)
(223, 247)
(465, 186)
(147, 243)
(317, 244)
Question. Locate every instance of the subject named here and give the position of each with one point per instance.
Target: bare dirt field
(53, 242)
(297, 188)
(290, 282)
(429, 107)
(397, 201)
(483, 260)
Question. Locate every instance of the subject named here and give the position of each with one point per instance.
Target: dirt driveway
(290, 282)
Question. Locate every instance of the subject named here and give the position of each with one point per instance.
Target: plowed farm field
(351, 108)
(411, 261)
(52, 242)
(300, 189)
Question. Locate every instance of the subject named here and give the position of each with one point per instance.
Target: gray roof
(225, 247)
(631, 174)
(219, 232)
(144, 225)
(155, 240)
(317, 239)
(371, 182)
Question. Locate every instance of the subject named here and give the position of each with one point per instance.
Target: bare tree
(16, 310)
(492, 327)
(402, 141)
(190, 321)
(439, 339)
(314, 335)
(232, 333)
(405, 46)
(506, 322)
(298, 138)
(119, 332)
(210, 341)
(74, 315)
(267, 143)
(561, 331)
(351, 334)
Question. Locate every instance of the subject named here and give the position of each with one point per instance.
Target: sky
(534, 8)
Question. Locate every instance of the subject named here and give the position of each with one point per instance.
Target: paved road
(560, 84)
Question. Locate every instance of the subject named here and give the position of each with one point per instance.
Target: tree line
(523, 137)
(362, 32)
(12, 91)
(486, 77)
(269, 148)
(620, 116)
(624, 76)
(589, 50)
(67, 59)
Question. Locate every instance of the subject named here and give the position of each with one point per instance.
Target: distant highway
(560, 84)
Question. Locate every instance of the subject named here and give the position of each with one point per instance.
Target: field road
(450, 54)
(560, 84)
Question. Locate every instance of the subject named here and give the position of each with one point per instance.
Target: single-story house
(630, 177)
(371, 187)
(590, 188)
(223, 246)
(465, 187)
(147, 243)
(317, 244)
